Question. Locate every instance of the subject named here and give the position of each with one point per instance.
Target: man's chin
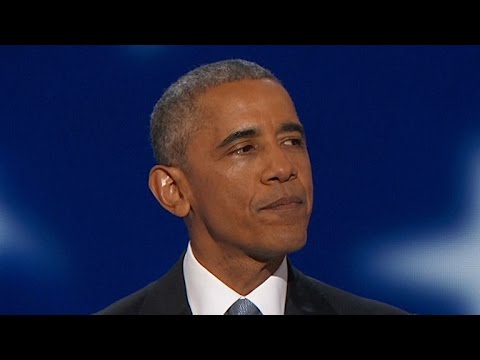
(280, 248)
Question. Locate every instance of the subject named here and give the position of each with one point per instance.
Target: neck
(235, 268)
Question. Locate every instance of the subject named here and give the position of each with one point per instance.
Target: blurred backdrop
(394, 139)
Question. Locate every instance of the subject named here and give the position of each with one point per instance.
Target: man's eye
(244, 150)
(293, 142)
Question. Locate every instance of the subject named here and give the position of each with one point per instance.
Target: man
(232, 161)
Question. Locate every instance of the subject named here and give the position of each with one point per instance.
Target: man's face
(249, 172)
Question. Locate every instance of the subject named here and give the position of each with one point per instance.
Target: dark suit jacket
(305, 296)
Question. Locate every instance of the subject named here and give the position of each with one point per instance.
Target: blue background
(392, 133)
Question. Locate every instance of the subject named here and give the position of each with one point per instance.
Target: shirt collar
(207, 295)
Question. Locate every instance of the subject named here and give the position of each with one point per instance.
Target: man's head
(241, 176)
(176, 115)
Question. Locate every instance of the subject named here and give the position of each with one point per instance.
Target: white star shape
(446, 259)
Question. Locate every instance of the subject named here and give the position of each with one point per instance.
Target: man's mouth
(286, 202)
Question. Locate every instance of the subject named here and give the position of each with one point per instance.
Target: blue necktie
(243, 307)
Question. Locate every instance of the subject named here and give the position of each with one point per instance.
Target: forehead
(259, 103)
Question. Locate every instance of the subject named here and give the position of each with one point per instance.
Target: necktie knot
(243, 307)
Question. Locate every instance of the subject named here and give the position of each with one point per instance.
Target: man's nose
(278, 166)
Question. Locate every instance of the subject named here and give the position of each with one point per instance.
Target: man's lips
(285, 202)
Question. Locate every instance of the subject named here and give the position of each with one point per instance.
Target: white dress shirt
(207, 295)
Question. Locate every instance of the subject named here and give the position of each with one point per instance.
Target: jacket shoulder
(164, 296)
(340, 301)
(128, 305)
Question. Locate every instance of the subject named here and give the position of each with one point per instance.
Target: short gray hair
(173, 118)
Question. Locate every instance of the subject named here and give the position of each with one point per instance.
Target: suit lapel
(303, 296)
(168, 295)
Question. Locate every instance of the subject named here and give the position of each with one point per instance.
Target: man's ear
(165, 182)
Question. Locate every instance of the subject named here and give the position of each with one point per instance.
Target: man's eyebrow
(291, 127)
(239, 134)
